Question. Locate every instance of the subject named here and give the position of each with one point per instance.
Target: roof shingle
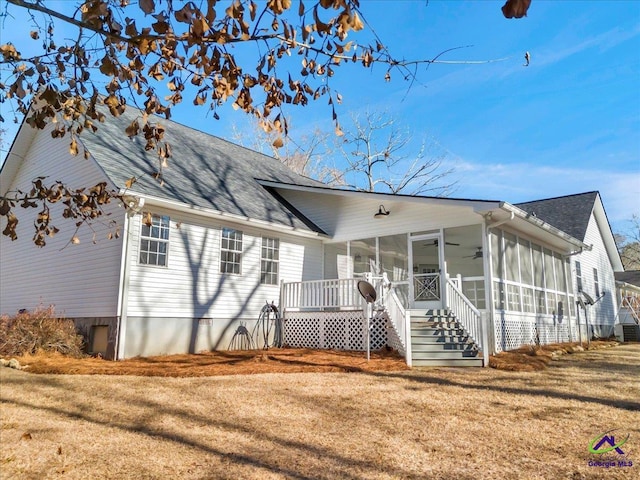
(570, 213)
(204, 171)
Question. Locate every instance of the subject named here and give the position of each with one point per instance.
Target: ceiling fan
(476, 255)
(435, 243)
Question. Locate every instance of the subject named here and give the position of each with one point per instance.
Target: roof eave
(478, 205)
(220, 215)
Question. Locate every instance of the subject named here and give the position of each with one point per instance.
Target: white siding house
(82, 281)
(207, 240)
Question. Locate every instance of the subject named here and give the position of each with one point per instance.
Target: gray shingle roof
(204, 171)
(631, 276)
(570, 213)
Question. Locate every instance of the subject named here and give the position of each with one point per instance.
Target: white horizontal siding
(349, 217)
(604, 311)
(191, 285)
(80, 280)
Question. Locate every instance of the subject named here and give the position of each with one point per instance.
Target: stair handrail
(389, 301)
(469, 317)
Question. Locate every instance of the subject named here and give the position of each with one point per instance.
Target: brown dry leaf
(5, 207)
(75, 240)
(73, 147)
(147, 6)
(278, 142)
(26, 436)
(516, 8)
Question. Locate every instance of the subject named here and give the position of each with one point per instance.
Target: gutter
(501, 222)
(209, 212)
(515, 211)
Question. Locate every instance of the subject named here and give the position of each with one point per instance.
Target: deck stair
(438, 339)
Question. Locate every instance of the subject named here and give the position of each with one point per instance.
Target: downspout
(501, 222)
(489, 289)
(133, 206)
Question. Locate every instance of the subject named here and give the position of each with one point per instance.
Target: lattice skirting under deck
(344, 330)
(513, 331)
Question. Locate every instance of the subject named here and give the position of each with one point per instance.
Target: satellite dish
(367, 291)
(587, 298)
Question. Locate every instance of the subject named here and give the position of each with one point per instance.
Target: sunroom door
(426, 277)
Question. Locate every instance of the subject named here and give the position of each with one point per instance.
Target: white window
(513, 298)
(231, 251)
(596, 284)
(269, 261)
(154, 240)
(579, 276)
(528, 300)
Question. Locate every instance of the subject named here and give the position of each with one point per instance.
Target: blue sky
(568, 123)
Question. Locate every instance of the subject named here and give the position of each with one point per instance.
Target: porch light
(382, 212)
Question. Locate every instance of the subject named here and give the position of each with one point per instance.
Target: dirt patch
(530, 358)
(208, 364)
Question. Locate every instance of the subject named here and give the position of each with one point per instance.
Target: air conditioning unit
(627, 332)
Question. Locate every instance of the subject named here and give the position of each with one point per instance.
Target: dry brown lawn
(442, 423)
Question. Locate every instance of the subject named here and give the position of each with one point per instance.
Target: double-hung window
(154, 241)
(596, 284)
(231, 251)
(578, 276)
(269, 261)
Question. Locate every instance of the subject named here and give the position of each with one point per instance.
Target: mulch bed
(218, 363)
(280, 360)
(534, 358)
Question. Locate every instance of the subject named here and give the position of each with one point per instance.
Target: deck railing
(321, 295)
(631, 307)
(469, 317)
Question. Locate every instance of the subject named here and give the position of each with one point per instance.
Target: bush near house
(41, 329)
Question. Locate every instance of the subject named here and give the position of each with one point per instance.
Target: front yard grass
(438, 423)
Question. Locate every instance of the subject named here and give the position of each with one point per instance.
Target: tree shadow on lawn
(334, 464)
(608, 367)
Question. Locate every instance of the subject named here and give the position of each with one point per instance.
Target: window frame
(579, 286)
(596, 283)
(226, 251)
(151, 239)
(272, 245)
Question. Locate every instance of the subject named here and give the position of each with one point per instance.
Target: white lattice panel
(514, 332)
(341, 330)
(393, 339)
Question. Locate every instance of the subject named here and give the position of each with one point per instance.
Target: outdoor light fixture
(382, 212)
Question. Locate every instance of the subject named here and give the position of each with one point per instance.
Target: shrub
(39, 330)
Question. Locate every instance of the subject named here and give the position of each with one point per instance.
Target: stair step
(443, 347)
(438, 325)
(444, 354)
(441, 332)
(450, 318)
(440, 339)
(441, 362)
